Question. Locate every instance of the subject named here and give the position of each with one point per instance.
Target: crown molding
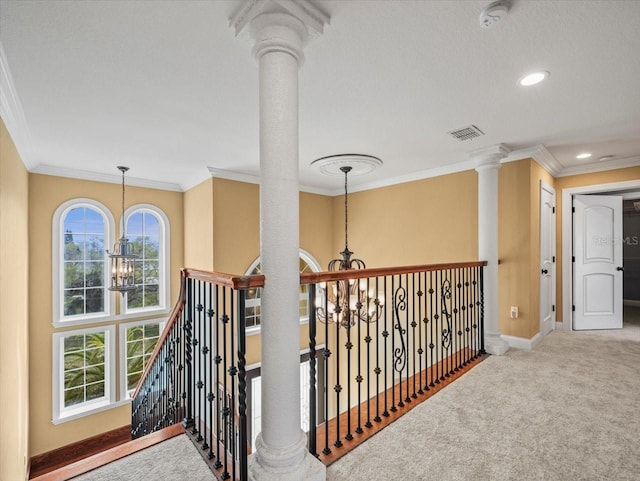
(540, 154)
(12, 113)
(45, 169)
(233, 175)
(601, 166)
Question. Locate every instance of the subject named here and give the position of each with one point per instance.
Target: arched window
(82, 231)
(147, 229)
(252, 300)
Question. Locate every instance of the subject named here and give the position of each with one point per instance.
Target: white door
(547, 258)
(597, 248)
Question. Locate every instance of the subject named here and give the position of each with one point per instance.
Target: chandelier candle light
(122, 259)
(348, 300)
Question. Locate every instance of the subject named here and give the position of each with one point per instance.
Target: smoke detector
(494, 13)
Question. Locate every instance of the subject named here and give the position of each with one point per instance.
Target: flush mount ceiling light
(604, 158)
(533, 78)
(583, 155)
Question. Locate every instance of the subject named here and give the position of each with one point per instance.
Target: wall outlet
(514, 312)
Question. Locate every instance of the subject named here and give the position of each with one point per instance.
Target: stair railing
(196, 374)
(391, 335)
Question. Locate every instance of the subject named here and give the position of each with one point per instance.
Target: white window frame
(164, 264)
(62, 414)
(122, 344)
(59, 319)
(305, 256)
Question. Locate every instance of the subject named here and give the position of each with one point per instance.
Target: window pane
(94, 271)
(84, 368)
(152, 330)
(151, 296)
(73, 343)
(134, 298)
(94, 357)
(73, 302)
(132, 380)
(73, 246)
(134, 348)
(74, 360)
(74, 378)
(94, 246)
(93, 222)
(73, 275)
(134, 225)
(83, 234)
(74, 220)
(95, 300)
(74, 396)
(95, 391)
(150, 272)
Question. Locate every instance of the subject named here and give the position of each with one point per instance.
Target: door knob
(544, 271)
(620, 268)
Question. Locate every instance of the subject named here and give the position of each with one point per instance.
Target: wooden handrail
(315, 277)
(219, 278)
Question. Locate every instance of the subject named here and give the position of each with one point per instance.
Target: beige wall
(14, 311)
(618, 175)
(519, 246)
(46, 193)
(423, 222)
(222, 230)
(198, 226)
(514, 247)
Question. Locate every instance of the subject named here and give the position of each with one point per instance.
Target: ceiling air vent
(467, 133)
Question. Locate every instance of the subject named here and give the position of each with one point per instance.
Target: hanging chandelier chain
(346, 208)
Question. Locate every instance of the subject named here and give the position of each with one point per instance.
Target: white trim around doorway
(567, 238)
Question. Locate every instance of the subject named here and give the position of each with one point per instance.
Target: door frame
(552, 191)
(567, 238)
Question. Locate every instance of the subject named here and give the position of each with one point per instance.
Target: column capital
(489, 157)
(279, 25)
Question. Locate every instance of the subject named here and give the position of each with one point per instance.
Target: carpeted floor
(176, 459)
(569, 410)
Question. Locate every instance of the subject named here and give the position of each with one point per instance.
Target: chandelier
(350, 300)
(122, 259)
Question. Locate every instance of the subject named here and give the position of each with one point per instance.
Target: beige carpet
(570, 411)
(176, 459)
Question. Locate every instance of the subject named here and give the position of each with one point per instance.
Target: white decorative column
(279, 37)
(487, 164)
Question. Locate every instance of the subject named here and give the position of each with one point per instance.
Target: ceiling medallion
(360, 164)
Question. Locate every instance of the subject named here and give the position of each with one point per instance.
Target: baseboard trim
(522, 343)
(559, 326)
(57, 458)
(631, 302)
(105, 457)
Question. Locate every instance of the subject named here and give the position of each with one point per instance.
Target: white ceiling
(166, 87)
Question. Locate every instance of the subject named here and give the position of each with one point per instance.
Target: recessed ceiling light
(533, 78)
(584, 155)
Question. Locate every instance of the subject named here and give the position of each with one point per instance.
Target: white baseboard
(559, 326)
(521, 342)
(630, 302)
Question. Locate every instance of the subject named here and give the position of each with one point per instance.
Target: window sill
(142, 314)
(89, 411)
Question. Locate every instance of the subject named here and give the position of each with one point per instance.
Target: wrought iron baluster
(481, 334)
(225, 364)
(211, 363)
(216, 386)
(337, 388)
(326, 355)
(367, 340)
(385, 335)
(197, 427)
(359, 377)
(377, 369)
(187, 394)
(312, 370)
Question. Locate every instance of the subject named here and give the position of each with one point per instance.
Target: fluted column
(281, 451)
(487, 164)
